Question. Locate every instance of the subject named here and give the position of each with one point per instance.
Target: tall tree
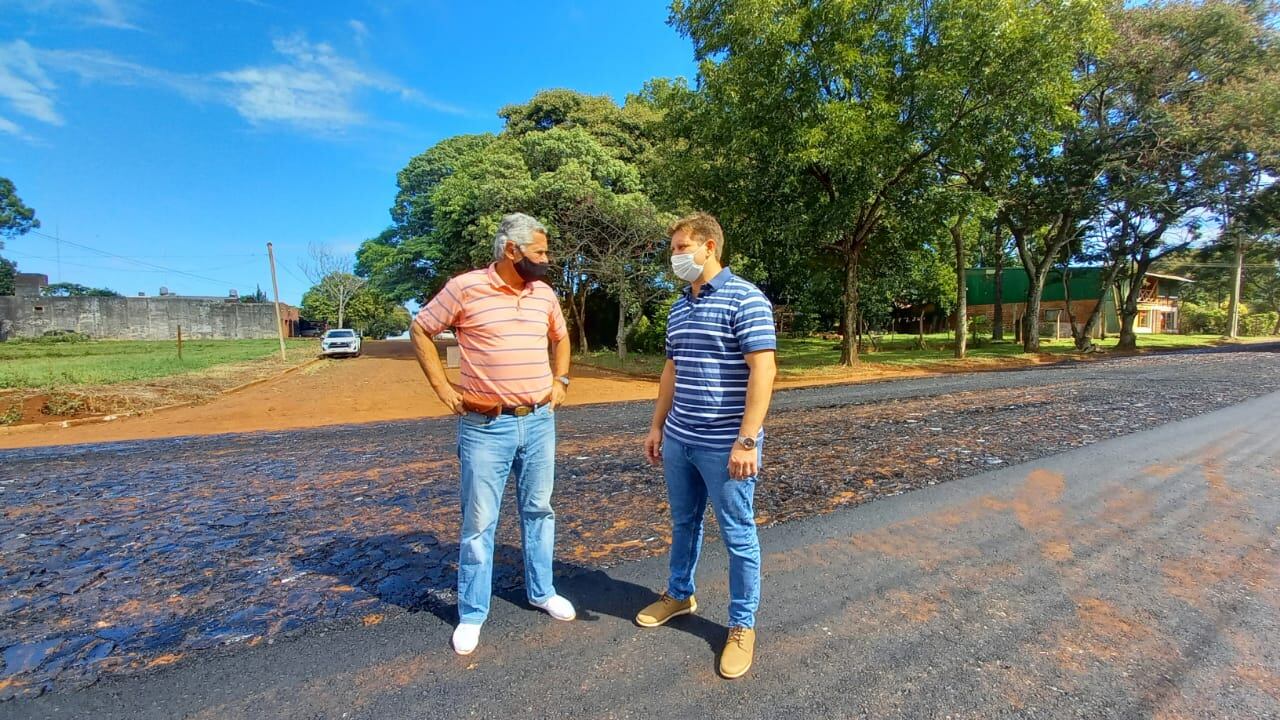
(333, 278)
(561, 154)
(830, 115)
(15, 219)
(1198, 92)
(368, 311)
(620, 241)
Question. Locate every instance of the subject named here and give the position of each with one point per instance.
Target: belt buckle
(521, 410)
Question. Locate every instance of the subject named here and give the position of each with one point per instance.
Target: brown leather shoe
(664, 609)
(739, 650)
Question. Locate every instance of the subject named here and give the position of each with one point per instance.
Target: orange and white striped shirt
(502, 334)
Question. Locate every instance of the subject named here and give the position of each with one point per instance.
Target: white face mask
(685, 268)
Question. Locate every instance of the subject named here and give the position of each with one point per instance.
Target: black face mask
(529, 270)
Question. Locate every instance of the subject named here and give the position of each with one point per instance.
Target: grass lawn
(50, 365)
(816, 356)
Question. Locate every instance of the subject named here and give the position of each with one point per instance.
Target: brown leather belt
(522, 410)
(493, 409)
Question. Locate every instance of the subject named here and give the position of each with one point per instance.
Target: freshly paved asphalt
(1134, 577)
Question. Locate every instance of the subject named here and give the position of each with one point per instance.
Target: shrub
(59, 403)
(1255, 324)
(646, 337)
(649, 335)
(1200, 320)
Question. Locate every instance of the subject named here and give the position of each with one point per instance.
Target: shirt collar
(713, 284)
(496, 280)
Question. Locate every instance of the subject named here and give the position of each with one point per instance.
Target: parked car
(340, 342)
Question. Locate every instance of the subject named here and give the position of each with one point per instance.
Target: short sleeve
(753, 323)
(556, 327)
(443, 311)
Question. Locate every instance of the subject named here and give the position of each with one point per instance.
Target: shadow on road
(418, 572)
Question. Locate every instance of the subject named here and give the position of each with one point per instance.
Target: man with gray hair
(504, 316)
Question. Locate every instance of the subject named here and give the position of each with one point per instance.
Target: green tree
(15, 219)
(831, 115)
(1198, 92)
(258, 296)
(564, 157)
(66, 289)
(368, 311)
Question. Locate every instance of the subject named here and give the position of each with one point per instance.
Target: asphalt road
(1134, 577)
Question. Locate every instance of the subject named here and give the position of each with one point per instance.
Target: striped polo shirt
(502, 334)
(707, 339)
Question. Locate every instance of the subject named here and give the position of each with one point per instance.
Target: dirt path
(383, 384)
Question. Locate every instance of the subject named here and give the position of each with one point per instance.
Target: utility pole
(275, 288)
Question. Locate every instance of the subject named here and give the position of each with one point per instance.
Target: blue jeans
(693, 475)
(490, 450)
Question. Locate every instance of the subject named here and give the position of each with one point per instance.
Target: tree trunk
(962, 306)
(622, 331)
(342, 312)
(1128, 338)
(997, 321)
(849, 343)
(1234, 328)
(1129, 312)
(1031, 319)
(1084, 339)
(578, 304)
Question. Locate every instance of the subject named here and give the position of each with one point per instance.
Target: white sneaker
(558, 608)
(465, 638)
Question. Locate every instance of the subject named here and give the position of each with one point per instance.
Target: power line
(132, 260)
(26, 256)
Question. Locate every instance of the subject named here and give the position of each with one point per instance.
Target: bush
(61, 403)
(1255, 324)
(1199, 320)
(62, 336)
(646, 337)
(649, 336)
(12, 415)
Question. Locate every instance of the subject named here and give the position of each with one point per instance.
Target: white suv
(340, 342)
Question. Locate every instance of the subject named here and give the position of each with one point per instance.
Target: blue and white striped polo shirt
(707, 339)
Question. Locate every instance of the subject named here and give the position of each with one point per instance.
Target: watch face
(748, 443)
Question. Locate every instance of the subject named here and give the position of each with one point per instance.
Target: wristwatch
(747, 442)
(565, 380)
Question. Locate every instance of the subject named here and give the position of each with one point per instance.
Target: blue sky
(185, 136)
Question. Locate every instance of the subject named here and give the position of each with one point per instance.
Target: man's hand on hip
(558, 395)
(653, 446)
(452, 400)
(743, 463)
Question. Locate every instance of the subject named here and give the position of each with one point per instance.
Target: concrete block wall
(136, 318)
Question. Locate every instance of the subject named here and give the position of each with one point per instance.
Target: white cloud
(10, 127)
(99, 66)
(359, 30)
(314, 87)
(105, 13)
(311, 87)
(25, 85)
(111, 13)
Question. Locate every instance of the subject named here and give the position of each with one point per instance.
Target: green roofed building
(1158, 302)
